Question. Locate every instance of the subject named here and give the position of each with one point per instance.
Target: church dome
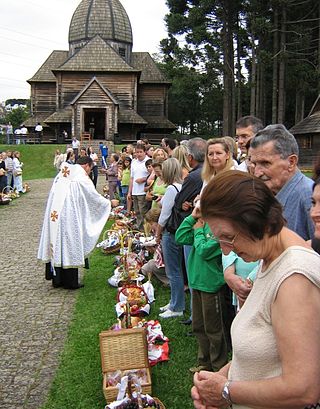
(106, 18)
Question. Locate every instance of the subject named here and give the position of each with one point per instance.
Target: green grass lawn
(78, 382)
(37, 159)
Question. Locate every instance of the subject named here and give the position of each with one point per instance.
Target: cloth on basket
(158, 343)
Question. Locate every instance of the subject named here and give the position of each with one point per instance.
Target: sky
(31, 29)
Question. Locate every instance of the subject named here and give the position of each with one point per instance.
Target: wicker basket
(113, 249)
(5, 198)
(158, 401)
(123, 350)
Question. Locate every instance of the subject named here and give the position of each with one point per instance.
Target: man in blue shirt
(104, 153)
(274, 154)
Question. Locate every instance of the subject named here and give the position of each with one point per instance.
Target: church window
(306, 142)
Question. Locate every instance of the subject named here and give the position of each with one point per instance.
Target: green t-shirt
(125, 180)
(158, 190)
(204, 262)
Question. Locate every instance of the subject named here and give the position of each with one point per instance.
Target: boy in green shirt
(205, 277)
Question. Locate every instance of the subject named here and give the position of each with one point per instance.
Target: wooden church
(100, 86)
(307, 134)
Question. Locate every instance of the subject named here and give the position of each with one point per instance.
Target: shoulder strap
(175, 188)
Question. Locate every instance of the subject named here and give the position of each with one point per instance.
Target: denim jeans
(18, 183)
(10, 179)
(124, 190)
(173, 253)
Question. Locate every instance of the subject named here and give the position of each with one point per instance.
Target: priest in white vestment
(75, 216)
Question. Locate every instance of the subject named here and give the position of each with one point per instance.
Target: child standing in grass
(125, 180)
(205, 277)
(112, 175)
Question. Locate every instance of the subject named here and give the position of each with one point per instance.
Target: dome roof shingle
(106, 18)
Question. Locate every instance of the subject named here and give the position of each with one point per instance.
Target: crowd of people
(242, 221)
(19, 135)
(71, 156)
(237, 223)
(11, 169)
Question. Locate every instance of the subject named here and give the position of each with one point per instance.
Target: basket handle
(8, 186)
(110, 231)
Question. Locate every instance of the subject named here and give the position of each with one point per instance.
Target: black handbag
(175, 218)
(174, 221)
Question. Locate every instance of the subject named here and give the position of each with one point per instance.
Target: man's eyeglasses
(225, 242)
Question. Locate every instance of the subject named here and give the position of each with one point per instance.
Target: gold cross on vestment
(54, 216)
(65, 171)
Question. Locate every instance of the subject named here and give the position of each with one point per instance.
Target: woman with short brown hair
(275, 336)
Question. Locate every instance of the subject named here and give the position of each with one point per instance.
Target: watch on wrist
(226, 393)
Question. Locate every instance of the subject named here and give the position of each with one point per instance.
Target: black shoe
(186, 322)
(76, 288)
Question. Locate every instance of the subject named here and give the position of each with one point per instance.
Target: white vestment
(75, 216)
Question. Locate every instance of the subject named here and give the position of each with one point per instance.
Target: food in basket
(134, 295)
(121, 311)
(135, 321)
(26, 187)
(145, 402)
(4, 199)
(133, 404)
(113, 378)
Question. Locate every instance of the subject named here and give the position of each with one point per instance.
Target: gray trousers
(140, 206)
(159, 273)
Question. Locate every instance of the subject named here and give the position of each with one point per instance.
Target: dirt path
(34, 317)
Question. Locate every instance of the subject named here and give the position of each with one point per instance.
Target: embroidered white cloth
(75, 216)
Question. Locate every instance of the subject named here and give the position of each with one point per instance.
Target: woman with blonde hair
(159, 154)
(218, 159)
(233, 149)
(56, 160)
(181, 153)
(158, 187)
(172, 252)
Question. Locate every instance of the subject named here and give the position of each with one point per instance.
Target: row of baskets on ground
(125, 365)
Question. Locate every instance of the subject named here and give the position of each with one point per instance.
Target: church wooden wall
(308, 156)
(95, 97)
(43, 97)
(122, 87)
(152, 100)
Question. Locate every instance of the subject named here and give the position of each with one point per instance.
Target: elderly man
(246, 128)
(274, 154)
(75, 216)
